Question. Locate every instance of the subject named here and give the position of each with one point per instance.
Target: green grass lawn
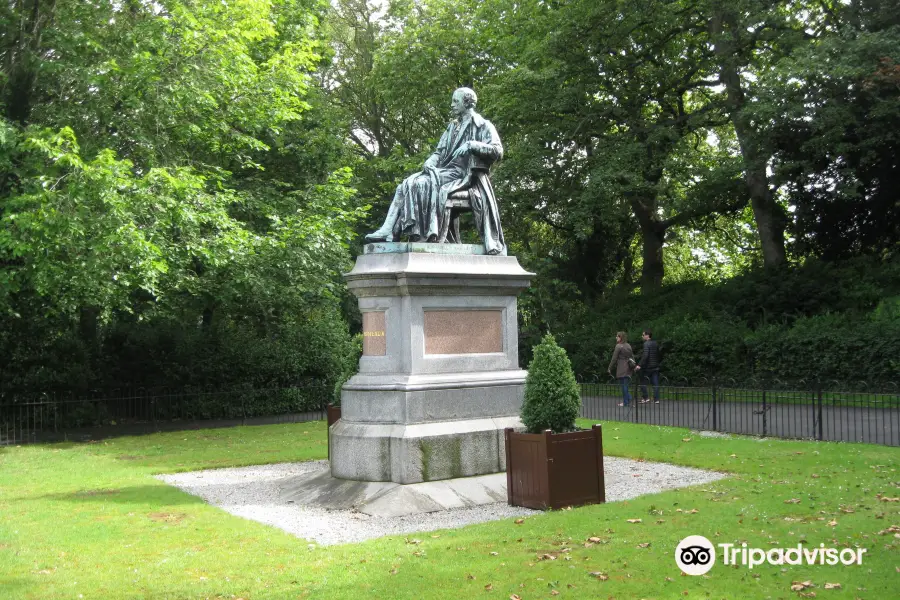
(90, 521)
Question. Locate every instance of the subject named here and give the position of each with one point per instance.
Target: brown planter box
(555, 470)
(332, 416)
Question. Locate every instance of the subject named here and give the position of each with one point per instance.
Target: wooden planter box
(332, 416)
(555, 470)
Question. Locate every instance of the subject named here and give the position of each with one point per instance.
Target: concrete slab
(388, 499)
(321, 489)
(273, 494)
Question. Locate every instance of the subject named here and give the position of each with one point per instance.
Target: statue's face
(457, 104)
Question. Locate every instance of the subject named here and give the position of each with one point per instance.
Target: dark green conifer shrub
(552, 398)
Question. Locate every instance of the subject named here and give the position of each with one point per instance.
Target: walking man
(649, 367)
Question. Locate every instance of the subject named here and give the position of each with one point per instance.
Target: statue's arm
(435, 157)
(488, 144)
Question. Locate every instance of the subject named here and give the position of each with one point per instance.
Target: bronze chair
(457, 203)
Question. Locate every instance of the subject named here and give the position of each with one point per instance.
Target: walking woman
(623, 363)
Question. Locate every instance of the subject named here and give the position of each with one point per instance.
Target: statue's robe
(422, 196)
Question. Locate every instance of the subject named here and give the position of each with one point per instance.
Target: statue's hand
(462, 150)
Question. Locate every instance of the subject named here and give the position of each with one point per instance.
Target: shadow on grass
(16, 587)
(161, 495)
(100, 433)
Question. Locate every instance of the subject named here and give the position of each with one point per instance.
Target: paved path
(839, 423)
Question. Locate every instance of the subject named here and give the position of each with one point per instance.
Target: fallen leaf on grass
(886, 499)
(792, 501)
(594, 540)
(797, 586)
(685, 439)
(515, 597)
(494, 553)
(470, 577)
(489, 587)
(167, 517)
(546, 557)
(644, 545)
(394, 571)
(634, 521)
(832, 586)
(832, 523)
(409, 541)
(891, 529)
(599, 575)
(554, 593)
(519, 521)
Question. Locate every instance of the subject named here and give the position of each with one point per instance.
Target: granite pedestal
(439, 378)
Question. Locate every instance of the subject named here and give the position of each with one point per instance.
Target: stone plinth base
(419, 452)
(439, 378)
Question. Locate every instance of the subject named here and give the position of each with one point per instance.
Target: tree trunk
(653, 270)
(653, 235)
(769, 216)
(22, 57)
(89, 325)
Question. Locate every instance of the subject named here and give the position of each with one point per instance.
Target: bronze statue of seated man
(461, 162)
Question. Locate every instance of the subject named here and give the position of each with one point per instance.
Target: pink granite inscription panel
(374, 342)
(463, 331)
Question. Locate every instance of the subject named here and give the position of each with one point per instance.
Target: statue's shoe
(380, 236)
(418, 238)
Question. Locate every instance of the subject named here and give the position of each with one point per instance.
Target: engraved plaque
(463, 331)
(374, 342)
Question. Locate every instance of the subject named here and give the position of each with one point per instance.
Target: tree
(152, 156)
(836, 112)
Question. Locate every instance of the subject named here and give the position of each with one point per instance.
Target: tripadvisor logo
(695, 555)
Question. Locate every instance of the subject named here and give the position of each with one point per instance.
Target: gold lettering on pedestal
(374, 341)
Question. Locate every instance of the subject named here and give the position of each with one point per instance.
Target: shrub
(351, 366)
(552, 397)
(828, 321)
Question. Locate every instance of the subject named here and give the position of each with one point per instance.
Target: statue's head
(468, 95)
(463, 99)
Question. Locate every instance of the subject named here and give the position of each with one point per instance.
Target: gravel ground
(253, 493)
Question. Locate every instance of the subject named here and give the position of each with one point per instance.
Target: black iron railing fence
(821, 411)
(28, 418)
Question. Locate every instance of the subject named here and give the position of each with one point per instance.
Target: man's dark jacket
(650, 356)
